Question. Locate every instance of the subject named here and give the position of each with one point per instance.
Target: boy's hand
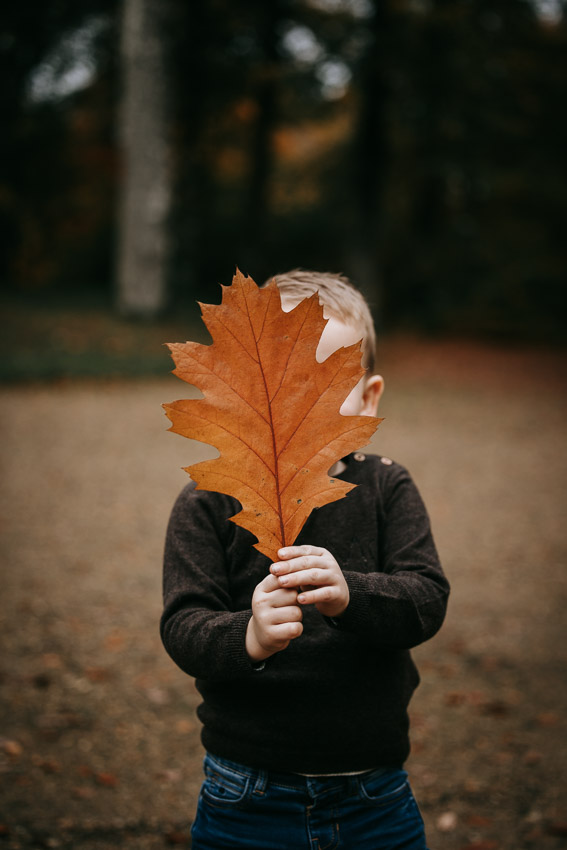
(312, 567)
(275, 621)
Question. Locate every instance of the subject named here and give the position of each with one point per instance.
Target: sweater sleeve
(404, 604)
(200, 632)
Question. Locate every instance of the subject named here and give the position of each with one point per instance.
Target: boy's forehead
(336, 334)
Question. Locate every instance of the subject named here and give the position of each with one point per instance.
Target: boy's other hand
(312, 567)
(275, 621)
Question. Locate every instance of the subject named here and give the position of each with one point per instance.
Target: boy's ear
(373, 389)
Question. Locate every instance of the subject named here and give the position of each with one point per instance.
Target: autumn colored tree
(418, 147)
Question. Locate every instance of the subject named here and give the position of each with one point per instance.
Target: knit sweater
(336, 698)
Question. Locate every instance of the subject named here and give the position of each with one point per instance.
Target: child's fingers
(319, 595)
(268, 618)
(287, 614)
(272, 591)
(308, 577)
(315, 576)
(269, 597)
(268, 584)
(296, 551)
(275, 621)
(273, 595)
(302, 562)
(286, 632)
(283, 598)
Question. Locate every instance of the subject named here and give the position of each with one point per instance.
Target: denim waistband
(262, 778)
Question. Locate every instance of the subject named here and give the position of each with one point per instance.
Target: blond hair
(342, 300)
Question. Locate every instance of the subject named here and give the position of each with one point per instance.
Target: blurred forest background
(147, 148)
(150, 146)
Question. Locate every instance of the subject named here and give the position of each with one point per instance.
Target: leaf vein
(341, 436)
(235, 338)
(236, 393)
(291, 349)
(307, 412)
(273, 433)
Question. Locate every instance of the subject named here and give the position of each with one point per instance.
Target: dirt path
(99, 745)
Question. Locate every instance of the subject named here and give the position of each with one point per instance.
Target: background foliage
(416, 145)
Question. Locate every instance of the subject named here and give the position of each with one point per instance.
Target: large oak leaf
(270, 408)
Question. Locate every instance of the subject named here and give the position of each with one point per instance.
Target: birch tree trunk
(145, 192)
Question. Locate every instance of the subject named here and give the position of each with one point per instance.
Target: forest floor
(99, 742)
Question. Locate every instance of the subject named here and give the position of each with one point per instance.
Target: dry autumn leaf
(270, 408)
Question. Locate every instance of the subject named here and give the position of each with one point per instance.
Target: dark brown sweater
(335, 700)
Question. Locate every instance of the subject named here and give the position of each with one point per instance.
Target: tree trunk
(370, 160)
(266, 83)
(145, 191)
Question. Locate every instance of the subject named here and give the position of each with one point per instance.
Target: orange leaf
(270, 409)
(107, 779)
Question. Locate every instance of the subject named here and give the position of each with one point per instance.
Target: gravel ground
(99, 744)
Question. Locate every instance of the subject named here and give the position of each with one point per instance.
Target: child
(304, 664)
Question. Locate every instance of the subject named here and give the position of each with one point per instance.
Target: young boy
(304, 664)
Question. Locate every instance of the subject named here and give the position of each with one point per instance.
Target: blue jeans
(240, 807)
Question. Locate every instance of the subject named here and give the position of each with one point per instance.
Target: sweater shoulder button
(359, 456)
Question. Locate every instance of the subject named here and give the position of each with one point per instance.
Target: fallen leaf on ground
(478, 820)
(176, 837)
(83, 793)
(12, 748)
(455, 698)
(84, 770)
(97, 674)
(114, 642)
(109, 780)
(547, 718)
(46, 764)
(270, 408)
